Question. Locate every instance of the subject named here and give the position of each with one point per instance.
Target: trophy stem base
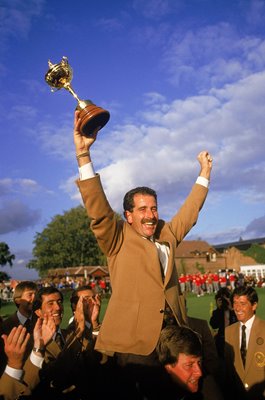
(92, 118)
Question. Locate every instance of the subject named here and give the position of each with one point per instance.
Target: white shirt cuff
(86, 171)
(203, 181)
(36, 360)
(14, 373)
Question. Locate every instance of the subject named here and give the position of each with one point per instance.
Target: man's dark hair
(20, 289)
(44, 292)
(74, 296)
(128, 200)
(247, 291)
(175, 340)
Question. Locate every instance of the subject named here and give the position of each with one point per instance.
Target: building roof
(91, 270)
(190, 248)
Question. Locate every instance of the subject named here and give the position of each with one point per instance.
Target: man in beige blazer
(136, 249)
(63, 359)
(245, 379)
(19, 379)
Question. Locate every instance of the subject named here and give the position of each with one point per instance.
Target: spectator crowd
(35, 364)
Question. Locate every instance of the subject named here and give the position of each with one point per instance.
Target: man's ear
(128, 216)
(38, 313)
(168, 367)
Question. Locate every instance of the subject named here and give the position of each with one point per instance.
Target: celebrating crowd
(147, 346)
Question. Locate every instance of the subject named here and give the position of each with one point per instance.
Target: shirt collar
(22, 319)
(249, 322)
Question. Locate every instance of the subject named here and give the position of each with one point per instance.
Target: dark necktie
(59, 340)
(243, 348)
(27, 324)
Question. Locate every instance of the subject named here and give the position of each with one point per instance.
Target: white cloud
(211, 56)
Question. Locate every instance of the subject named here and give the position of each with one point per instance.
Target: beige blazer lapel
(154, 261)
(238, 360)
(171, 263)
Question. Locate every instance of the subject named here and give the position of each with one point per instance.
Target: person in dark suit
(100, 368)
(141, 261)
(23, 297)
(221, 317)
(245, 348)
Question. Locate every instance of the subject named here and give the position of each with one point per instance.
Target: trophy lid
(59, 75)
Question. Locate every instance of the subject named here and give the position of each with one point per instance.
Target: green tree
(200, 267)
(67, 241)
(257, 252)
(4, 276)
(5, 256)
(182, 266)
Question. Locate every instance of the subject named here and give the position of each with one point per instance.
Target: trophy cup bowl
(92, 117)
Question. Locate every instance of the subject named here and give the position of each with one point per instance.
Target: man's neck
(25, 313)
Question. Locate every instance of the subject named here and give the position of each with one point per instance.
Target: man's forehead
(29, 290)
(241, 298)
(189, 357)
(143, 198)
(86, 292)
(51, 296)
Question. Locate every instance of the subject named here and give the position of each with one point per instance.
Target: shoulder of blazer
(9, 323)
(232, 329)
(258, 324)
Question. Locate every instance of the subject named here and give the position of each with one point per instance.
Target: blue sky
(177, 76)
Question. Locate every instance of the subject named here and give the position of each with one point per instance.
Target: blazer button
(161, 311)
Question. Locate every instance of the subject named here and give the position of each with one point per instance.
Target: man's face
(186, 372)
(25, 301)
(144, 216)
(243, 308)
(52, 305)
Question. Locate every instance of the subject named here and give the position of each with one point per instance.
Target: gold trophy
(92, 117)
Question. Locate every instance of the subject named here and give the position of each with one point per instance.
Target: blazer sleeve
(11, 388)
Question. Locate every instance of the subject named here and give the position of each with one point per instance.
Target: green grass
(200, 307)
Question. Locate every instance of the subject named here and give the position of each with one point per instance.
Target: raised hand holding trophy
(92, 117)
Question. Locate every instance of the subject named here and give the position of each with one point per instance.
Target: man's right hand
(15, 346)
(82, 142)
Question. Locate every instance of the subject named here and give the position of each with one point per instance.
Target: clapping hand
(80, 317)
(43, 331)
(15, 346)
